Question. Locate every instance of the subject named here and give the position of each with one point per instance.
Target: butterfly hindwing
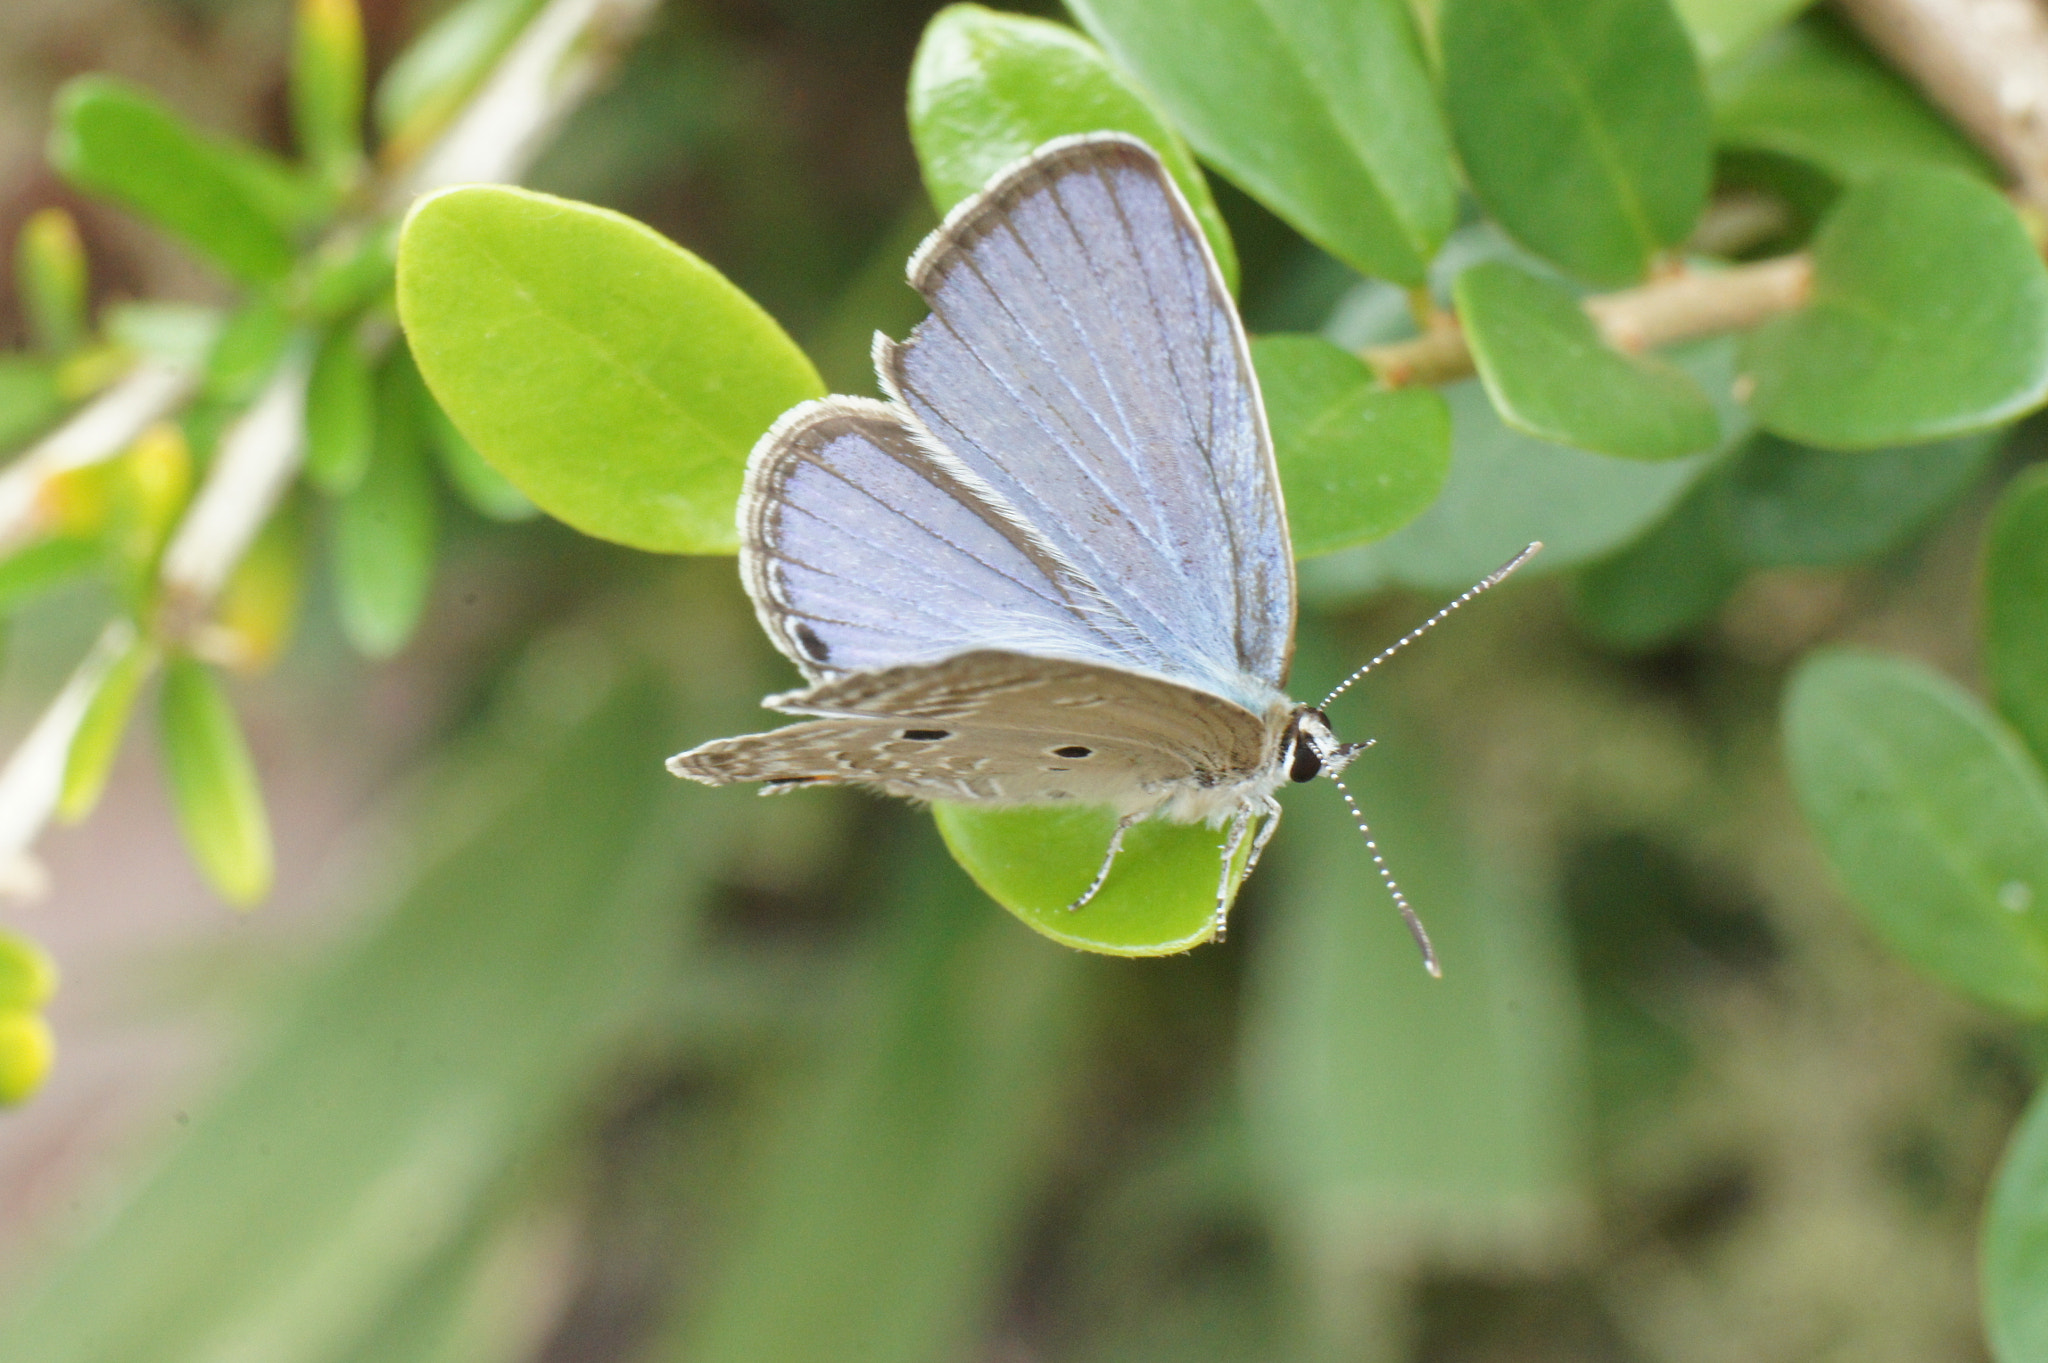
(1083, 362)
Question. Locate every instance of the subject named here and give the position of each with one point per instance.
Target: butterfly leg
(1268, 813)
(1116, 845)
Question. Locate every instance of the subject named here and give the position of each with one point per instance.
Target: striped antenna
(1408, 915)
(1492, 579)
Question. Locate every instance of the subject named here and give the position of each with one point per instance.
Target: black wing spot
(927, 735)
(807, 639)
(1073, 750)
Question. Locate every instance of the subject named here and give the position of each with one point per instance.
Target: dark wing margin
(1084, 362)
(859, 552)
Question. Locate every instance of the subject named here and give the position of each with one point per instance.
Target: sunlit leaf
(98, 740)
(986, 88)
(213, 783)
(615, 378)
(487, 491)
(1934, 816)
(1929, 318)
(27, 1050)
(1583, 127)
(1320, 109)
(386, 529)
(327, 88)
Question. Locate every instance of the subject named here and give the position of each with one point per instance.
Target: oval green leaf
(1550, 375)
(2016, 607)
(2015, 1249)
(1357, 461)
(1506, 489)
(1929, 318)
(386, 528)
(98, 739)
(615, 378)
(1160, 896)
(486, 490)
(340, 413)
(1934, 817)
(1584, 127)
(327, 88)
(229, 202)
(213, 784)
(986, 88)
(1320, 109)
(1790, 505)
(1813, 93)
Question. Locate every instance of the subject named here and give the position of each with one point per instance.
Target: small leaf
(1549, 373)
(49, 274)
(229, 202)
(1792, 505)
(385, 530)
(2015, 1245)
(986, 88)
(488, 492)
(430, 79)
(1506, 489)
(327, 89)
(1357, 461)
(616, 379)
(2016, 607)
(1934, 816)
(27, 1050)
(1584, 127)
(30, 401)
(340, 413)
(351, 270)
(1160, 896)
(1813, 93)
(1667, 582)
(1929, 318)
(247, 350)
(98, 740)
(1322, 110)
(28, 977)
(213, 784)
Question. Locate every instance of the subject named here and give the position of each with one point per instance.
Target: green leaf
(49, 276)
(213, 784)
(1506, 489)
(615, 378)
(2016, 607)
(1813, 93)
(986, 88)
(1550, 374)
(1725, 29)
(429, 80)
(1790, 505)
(341, 413)
(417, 1075)
(1934, 816)
(327, 88)
(30, 401)
(486, 490)
(882, 1208)
(1160, 896)
(1584, 127)
(1667, 582)
(1320, 109)
(2015, 1246)
(1357, 461)
(229, 202)
(247, 350)
(1397, 1118)
(28, 977)
(386, 529)
(1929, 318)
(27, 1050)
(98, 740)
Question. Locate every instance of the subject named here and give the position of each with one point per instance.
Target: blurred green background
(538, 1055)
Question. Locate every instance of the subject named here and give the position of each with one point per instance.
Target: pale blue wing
(1083, 362)
(860, 552)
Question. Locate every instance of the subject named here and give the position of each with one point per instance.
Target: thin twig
(1680, 307)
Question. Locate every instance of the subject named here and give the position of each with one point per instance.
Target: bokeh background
(772, 1081)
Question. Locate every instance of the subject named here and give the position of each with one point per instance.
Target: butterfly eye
(1306, 762)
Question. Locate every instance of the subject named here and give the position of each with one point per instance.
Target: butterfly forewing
(1002, 727)
(860, 552)
(1084, 362)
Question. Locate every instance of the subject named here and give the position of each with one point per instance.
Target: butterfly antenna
(1408, 915)
(1492, 579)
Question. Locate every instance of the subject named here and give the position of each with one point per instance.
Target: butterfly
(1054, 566)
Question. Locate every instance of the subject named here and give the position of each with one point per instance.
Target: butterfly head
(1310, 748)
